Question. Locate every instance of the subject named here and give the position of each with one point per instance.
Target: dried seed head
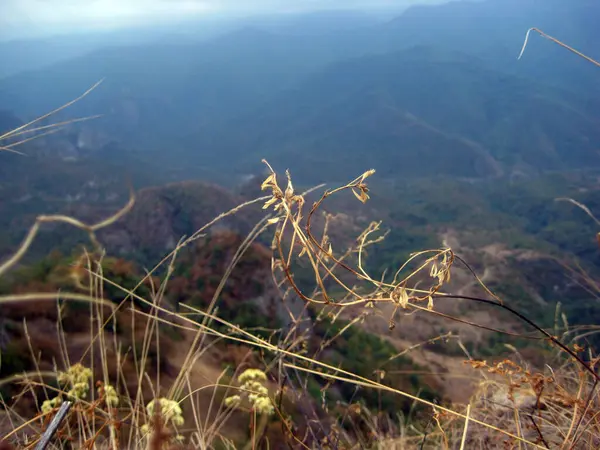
(362, 194)
(270, 202)
(270, 182)
(400, 296)
(367, 174)
(289, 190)
(273, 221)
(303, 251)
(433, 273)
(430, 303)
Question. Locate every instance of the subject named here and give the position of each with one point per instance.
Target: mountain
(472, 150)
(154, 93)
(321, 23)
(35, 53)
(162, 215)
(58, 179)
(494, 30)
(326, 105)
(420, 112)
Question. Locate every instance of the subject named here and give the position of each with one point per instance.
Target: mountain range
(465, 138)
(418, 88)
(473, 149)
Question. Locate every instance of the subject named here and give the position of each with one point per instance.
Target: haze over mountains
(437, 79)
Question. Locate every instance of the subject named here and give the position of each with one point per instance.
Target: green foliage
(250, 317)
(126, 277)
(398, 247)
(365, 354)
(13, 360)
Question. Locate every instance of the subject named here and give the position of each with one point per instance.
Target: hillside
(248, 299)
(494, 30)
(415, 113)
(396, 110)
(461, 272)
(156, 93)
(162, 215)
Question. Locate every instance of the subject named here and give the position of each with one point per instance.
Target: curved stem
(528, 321)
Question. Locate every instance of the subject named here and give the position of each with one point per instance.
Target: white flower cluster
(169, 411)
(253, 388)
(233, 401)
(252, 375)
(77, 380)
(49, 405)
(110, 396)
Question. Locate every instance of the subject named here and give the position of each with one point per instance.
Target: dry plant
(97, 422)
(408, 297)
(401, 291)
(556, 41)
(117, 416)
(517, 406)
(398, 292)
(555, 406)
(32, 130)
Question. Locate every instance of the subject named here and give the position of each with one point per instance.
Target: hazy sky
(15, 15)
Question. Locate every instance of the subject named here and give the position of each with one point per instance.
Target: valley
(473, 150)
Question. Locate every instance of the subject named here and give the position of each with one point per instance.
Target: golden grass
(516, 406)
(94, 423)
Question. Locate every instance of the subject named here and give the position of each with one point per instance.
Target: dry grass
(97, 421)
(123, 397)
(30, 131)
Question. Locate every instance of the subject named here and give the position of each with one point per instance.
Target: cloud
(38, 15)
(64, 11)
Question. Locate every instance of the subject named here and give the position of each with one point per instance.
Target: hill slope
(155, 93)
(418, 112)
